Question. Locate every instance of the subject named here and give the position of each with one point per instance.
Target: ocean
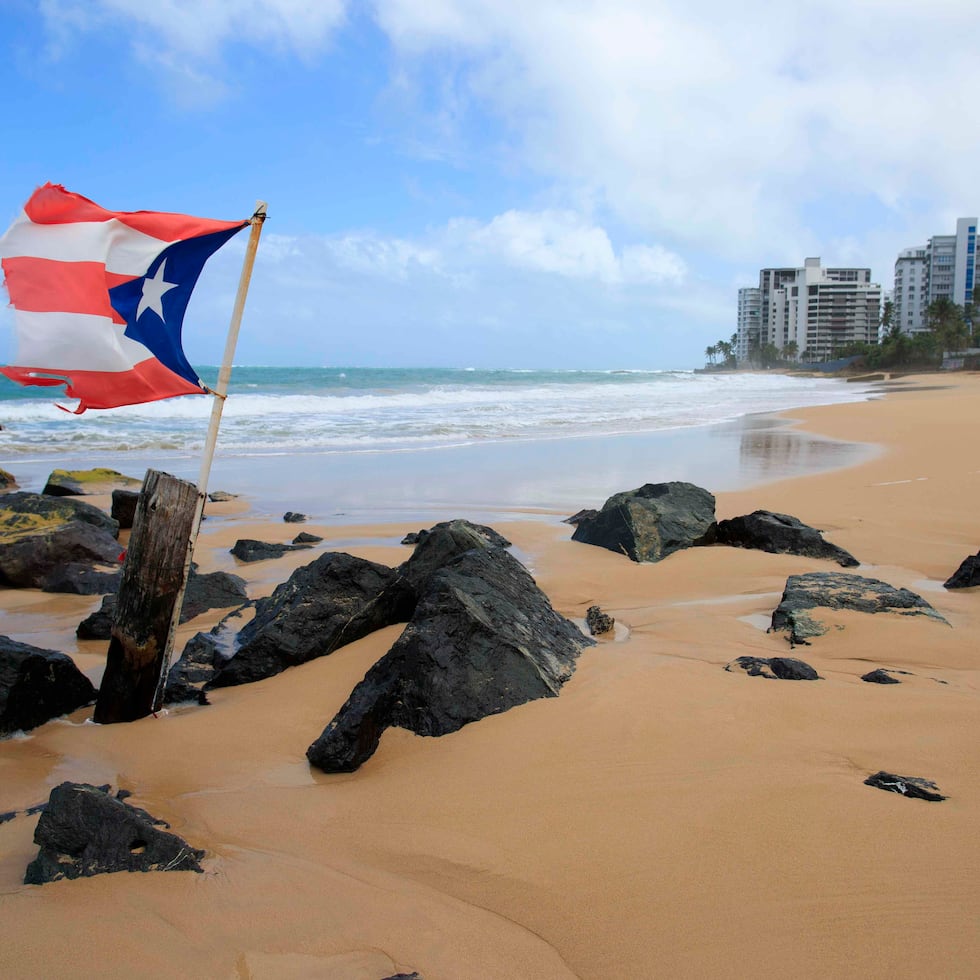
(297, 434)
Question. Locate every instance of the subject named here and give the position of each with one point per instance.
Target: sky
(494, 183)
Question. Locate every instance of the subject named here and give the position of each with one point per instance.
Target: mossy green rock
(80, 483)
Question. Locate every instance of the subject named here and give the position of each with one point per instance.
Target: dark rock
(880, 676)
(775, 668)
(248, 549)
(651, 522)
(212, 590)
(23, 513)
(77, 483)
(324, 605)
(457, 527)
(967, 575)
(197, 665)
(911, 786)
(81, 578)
(37, 685)
(583, 515)
(84, 831)
(74, 557)
(291, 517)
(41, 535)
(404, 976)
(221, 496)
(7, 480)
(598, 622)
(441, 544)
(124, 506)
(98, 625)
(483, 639)
(839, 590)
(304, 537)
(778, 534)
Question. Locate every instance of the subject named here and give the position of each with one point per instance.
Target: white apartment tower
(944, 268)
(820, 310)
(910, 296)
(748, 335)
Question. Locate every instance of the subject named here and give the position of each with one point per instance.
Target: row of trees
(950, 328)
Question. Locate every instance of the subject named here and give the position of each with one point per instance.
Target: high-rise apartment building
(944, 268)
(819, 310)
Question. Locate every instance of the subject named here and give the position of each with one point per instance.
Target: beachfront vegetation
(950, 328)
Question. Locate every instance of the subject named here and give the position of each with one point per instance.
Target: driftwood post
(152, 584)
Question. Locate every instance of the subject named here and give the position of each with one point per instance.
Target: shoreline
(497, 479)
(648, 820)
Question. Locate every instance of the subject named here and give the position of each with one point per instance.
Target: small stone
(775, 668)
(879, 676)
(911, 786)
(291, 517)
(598, 622)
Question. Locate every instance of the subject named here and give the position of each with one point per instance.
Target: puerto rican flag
(99, 297)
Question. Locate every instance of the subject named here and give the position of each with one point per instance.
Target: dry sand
(661, 818)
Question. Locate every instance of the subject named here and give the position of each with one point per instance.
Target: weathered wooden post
(147, 606)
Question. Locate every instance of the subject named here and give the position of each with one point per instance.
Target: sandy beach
(661, 818)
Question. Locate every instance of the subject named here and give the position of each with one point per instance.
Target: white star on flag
(153, 290)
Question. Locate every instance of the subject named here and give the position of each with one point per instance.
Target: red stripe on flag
(53, 205)
(148, 381)
(48, 286)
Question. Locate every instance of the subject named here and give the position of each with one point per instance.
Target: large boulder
(25, 513)
(37, 685)
(58, 544)
(483, 639)
(778, 534)
(78, 483)
(84, 831)
(651, 522)
(7, 481)
(54, 560)
(324, 605)
(967, 575)
(839, 590)
(440, 544)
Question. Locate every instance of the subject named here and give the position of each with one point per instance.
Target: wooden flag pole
(220, 393)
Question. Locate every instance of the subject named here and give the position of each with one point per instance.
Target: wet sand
(662, 817)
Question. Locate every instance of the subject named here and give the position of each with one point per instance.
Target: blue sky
(493, 183)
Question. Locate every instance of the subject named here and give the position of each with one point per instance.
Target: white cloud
(186, 38)
(522, 289)
(723, 126)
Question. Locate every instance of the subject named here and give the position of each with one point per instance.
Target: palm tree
(709, 353)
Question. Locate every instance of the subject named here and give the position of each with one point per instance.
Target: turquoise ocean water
(362, 438)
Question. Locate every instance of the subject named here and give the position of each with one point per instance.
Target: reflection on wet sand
(769, 448)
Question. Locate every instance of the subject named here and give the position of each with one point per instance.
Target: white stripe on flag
(127, 252)
(75, 341)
